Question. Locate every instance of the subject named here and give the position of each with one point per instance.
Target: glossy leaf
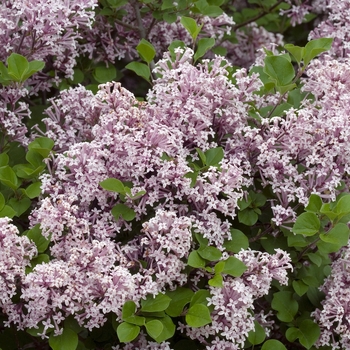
(273, 344)
(257, 336)
(17, 66)
(195, 260)
(191, 26)
(146, 50)
(68, 340)
(285, 306)
(8, 177)
(315, 204)
(33, 190)
(214, 156)
(338, 235)
(198, 315)
(122, 210)
(234, 267)
(112, 184)
(279, 69)
(154, 328)
(179, 298)
(203, 45)
(307, 224)
(238, 241)
(140, 69)
(103, 74)
(314, 47)
(40, 241)
(154, 304)
(127, 332)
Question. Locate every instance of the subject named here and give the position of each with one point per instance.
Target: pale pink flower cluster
(86, 284)
(334, 314)
(40, 29)
(233, 303)
(16, 253)
(335, 25)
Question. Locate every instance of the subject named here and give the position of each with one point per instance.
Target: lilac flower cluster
(233, 303)
(127, 140)
(47, 29)
(16, 253)
(334, 315)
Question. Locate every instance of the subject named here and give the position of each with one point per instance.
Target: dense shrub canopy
(174, 174)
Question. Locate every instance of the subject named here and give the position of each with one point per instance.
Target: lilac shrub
(212, 213)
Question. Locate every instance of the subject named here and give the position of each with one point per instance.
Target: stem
(126, 25)
(307, 248)
(255, 18)
(142, 31)
(21, 41)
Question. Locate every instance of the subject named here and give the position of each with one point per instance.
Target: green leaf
(17, 66)
(257, 336)
(203, 45)
(279, 69)
(208, 10)
(134, 319)
(338, 235)
(170, 17)
(68, 340)
(239, 241)
(191, 26)
(127, 332)
(273, 344)
(2, 201)
(300, 287)
(128, 309)
(297, 52)
(198, 315)
(33, 190)
(216, 281)
(154, 328)
(200, 297)
(315, 204)
(343, 206)
(195, 260)
(179, 298)
(140, 69)
(104, 74)
(4, 77)
(4, 159)
(248, 217)
(209, 253)
(308, 333)
(33, 67)
(42, 145)
(285, 306)
(34, 158)
(214, 156)
(168, 329)
(7, 211)
(307, 224)
(234, 267)
(40, 241)
(146, 50)
(328, 211)
(154, 304)
(112, 184)
(202, 156)
(314, 47)
(78, 76)
(122, 210)
(8, 177)
(20, 205)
